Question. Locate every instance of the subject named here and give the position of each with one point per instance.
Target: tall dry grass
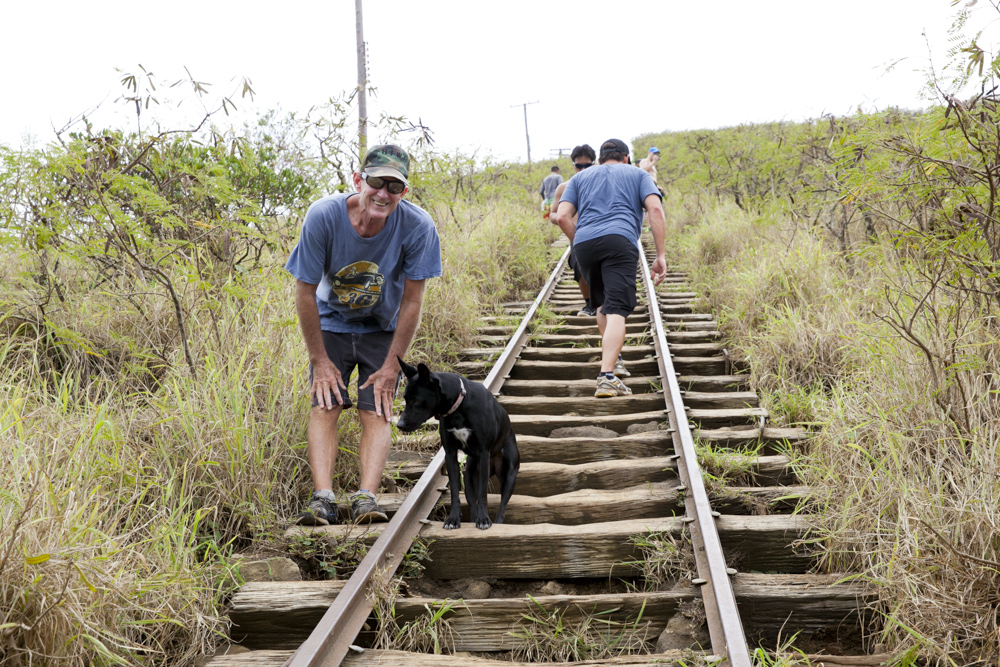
(131, 487)
(907, 495)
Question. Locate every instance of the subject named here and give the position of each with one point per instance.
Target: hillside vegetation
(153, 374)
(855, 264)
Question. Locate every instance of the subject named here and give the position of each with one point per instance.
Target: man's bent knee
(321, 414)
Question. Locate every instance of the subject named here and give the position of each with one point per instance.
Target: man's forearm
(568, 228)
(658, 225)
(308, 312)
(407, 322)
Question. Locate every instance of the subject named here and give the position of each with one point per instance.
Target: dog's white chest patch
(462, 434)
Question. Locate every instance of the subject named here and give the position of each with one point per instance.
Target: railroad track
(612, 527)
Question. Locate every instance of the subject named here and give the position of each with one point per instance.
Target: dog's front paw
(452, 523)
(484, 523)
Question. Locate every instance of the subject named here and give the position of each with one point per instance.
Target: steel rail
(724, 625)
(333, 636)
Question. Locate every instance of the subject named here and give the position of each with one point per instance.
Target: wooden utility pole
(362, 84)
(526, 137)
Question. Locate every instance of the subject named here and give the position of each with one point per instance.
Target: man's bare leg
(321, 437)
(374, 450)
(612, 339)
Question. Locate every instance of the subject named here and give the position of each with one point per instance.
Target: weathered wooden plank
(712, 383)
(720, 400)
(263, 658)
(719, 418)
(700, 365)
(543, 425)
(546, 479)
(549, 370)
(588, 450)
(543, 551)
(769, 603)
(279, 614)
(774, 470)
(584, 387)
(758, 499)
(488, 625)
(744, 437)
(631, 327)
(763, 543)
(582, 354)
(573, 508)
(567, 405)
(463, 658)
(802, 604)
(539, 551)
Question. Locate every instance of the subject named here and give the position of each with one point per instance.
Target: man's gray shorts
(365, 351)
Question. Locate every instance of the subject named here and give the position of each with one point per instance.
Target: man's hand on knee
(326, 386)
(384, 382)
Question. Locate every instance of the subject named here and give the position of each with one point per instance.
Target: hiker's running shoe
(319, 512)
(587, 311)
(620, 370)
(364, 509)
(607, 387)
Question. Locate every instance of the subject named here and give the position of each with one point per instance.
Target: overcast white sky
(617, 68)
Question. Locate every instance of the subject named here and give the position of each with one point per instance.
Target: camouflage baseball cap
(387, 160)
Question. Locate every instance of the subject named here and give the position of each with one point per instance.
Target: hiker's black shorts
(573, 265)
(608, 264)
(365, 351)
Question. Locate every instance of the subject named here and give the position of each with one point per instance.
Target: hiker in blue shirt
(360, 268)
(607, 203)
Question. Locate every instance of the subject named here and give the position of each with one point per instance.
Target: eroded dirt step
(595, 550)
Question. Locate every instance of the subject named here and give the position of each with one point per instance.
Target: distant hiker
(583, 157)
(548, 189)
(360, 268)
(648, 163)
(607, 202)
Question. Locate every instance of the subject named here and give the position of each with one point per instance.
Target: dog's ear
(408, 370)
(423, 372)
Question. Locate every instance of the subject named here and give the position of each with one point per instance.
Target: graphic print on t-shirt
(358, 285)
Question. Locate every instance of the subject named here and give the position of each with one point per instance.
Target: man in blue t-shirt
(360, 268)
(608, 201)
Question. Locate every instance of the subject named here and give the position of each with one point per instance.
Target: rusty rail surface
(724, 625)
(333, 635)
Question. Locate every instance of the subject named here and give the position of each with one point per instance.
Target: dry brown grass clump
(897, 373)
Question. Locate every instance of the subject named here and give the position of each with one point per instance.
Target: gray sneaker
(607, 388)
(318, 512)
(587, 311)
(620, 370)
(364, 508)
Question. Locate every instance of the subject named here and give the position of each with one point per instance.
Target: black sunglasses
(394, 187)
(582, 165)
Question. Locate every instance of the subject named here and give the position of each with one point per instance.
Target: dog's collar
(458, 401)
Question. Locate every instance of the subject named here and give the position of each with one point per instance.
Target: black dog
(473, 421)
